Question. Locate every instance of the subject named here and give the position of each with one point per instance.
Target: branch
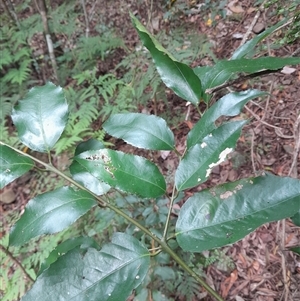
(10, 10)
(296, 148)
(11, 256)
(41, 7)
(253, 23)
(87, 26)
(238, 80)
(131, 220)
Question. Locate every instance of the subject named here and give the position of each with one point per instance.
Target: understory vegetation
(108, 223)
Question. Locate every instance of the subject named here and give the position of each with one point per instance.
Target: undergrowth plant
(15, 71)
(156, 238)
(32, 255)
(103, 96)
(142, 76)
(208, 9)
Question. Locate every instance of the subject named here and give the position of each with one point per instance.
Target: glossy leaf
(91, 144)
(296, 250)
(229, 105)
(83, 177)
(51, 212)
(177, 76)
(129, 173)
(41, 117)
(225, 214)
(12, 165)
(224, 70)
(65, 247)
(87, 179)
(109, 274)
(198, 162)
(296, 218)
(248, 47)
(141, 130)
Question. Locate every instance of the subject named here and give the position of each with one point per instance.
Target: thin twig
(272, 81)
(296, 148)
(297, 51)
(8, 6)
(42, 9)
(252, 151)
(87, 26)
(11, 256)
(283, 262)
(240, 79)
(252, 24)
(267, 124)
(268, 100)
(149, 23)
(92, 11)
(256, 104)
(188, 112)
(288, 22)
(174, 195)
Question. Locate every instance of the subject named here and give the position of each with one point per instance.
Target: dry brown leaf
(235, 7)
(255, 265)
(251, 10)
(288, 70)
(228, 283)
(189, 124)
(7, 196)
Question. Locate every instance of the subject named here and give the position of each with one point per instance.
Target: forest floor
(265, 269)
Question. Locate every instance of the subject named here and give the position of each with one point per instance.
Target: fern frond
(187, 286)
(31, 24)
(65, 143)
(209, 261)
(124, 99)
(6, 58)
(93, 47)
(99, 135)
(21, 53)
(6, 108)
(9, 138)
(19, 75)
(79, 124)
(107, 86)
(15, 287)
(64, 18)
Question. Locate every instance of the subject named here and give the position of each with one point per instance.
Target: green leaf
(159, 296)
(224, 70)
(12, 165)
(141, 130)
(164, 273)
(176, 76)
(88, 145)
(109, 274)
(229, 105)
(248, 47)
(296, 218)
(224, 214)
(83, 177)
(296, 250)
(51, 212)
(129, 173)
(41, 117)
(198, 162)
(65, 247)
(87, 179)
